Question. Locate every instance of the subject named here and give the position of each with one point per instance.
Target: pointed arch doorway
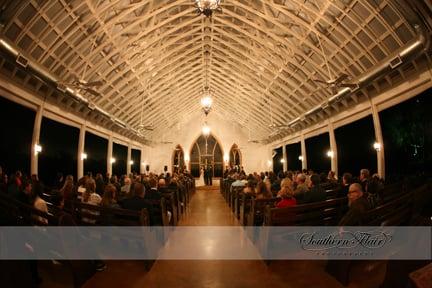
(206, 150)
(178, 160)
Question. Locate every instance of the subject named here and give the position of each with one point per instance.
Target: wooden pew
(326, 213)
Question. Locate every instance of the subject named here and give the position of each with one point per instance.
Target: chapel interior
(168, 143)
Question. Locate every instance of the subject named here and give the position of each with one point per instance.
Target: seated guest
(153, 193)
(64, 218)
(331, 177)
(240, 181)
(137, 201)
(14, 186)
(114, 181)
(38, 202)
(287, 197)
(315, 194)
(358, 205)
(249, 189)
(347, 180)
(301, 186)
(125, 189)
(109, 196)
(25, 195)
(100, 184)
(90, 197)
(68, 190)
(263, 190)
(81, 187)
(364, 179)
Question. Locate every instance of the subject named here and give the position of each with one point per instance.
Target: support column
(303, 151)
(284, 157)
(35, 140)
(129, 159)
(81, 143)
(333, 148)
(379, 138)
(110, 155)
(142, 167)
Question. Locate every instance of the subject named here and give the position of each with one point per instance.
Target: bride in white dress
(200, 181)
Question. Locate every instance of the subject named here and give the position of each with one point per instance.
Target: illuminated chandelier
(206, 101)
(207, 7)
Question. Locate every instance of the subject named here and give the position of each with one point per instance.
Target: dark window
(96, 149)
(59, 150)
(17, 131)
(120, 155)
(316, 152)
(407, 133)
(293, 152)
(355, 146)
(136, 158)
(277, 164)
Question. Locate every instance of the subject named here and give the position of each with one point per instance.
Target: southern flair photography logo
(359, 240)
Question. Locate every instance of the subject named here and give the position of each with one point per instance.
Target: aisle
(208, 208)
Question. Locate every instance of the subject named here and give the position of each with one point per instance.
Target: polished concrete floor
(208, 208)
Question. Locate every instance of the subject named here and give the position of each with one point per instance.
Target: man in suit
(316, 193)
(209, 175)
(358, 205)
(206, 175)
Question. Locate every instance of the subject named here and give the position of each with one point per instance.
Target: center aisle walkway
(208, 208)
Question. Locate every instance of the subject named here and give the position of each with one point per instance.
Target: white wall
(254, 156)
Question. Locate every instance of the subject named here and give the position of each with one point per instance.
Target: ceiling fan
(82, 86)
(142, 127)
(336, 83)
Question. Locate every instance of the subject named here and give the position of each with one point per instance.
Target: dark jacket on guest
(356, 213)
(343, 191)
(135, 203)
(153, 194)
(315, 194)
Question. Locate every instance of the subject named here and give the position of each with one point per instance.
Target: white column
(81, 143)
(142, 167)
(129, 158)
(110, 155)
(379, 138)
(303, 151)
(35, 140)
(284, 157)
(333, 148)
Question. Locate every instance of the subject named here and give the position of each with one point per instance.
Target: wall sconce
(300, 158)
(330, 154)
(83, 156)
(113, 160)
(282, 161)
(377, 146)
(206, 130)
(131, 162)
(186, 158)
(37, 149)
(226, 158)
(269, 163)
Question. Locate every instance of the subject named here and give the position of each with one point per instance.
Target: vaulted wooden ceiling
(259, 58)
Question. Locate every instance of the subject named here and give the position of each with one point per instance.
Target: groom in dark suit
(209, 175)
(206, 175)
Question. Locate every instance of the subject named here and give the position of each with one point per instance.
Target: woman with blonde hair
(287, 197)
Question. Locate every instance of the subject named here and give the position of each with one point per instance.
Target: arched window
(178, 159)
(206, 151)
(235, 156)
